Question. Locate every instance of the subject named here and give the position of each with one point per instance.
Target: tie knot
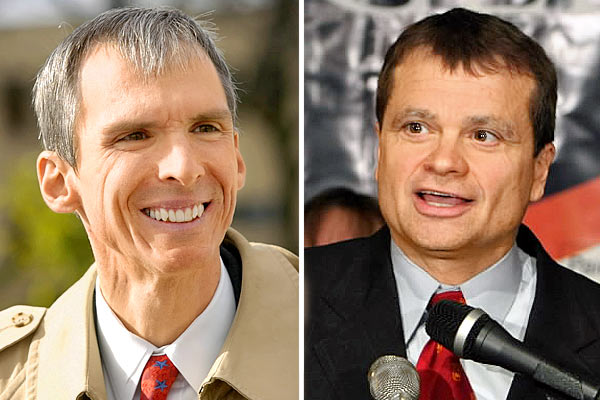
(454, 295)
(157, 378)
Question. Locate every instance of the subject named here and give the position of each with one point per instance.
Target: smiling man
(465, 110)
(137, 115)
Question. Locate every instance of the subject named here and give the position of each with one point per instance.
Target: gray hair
(151, 39)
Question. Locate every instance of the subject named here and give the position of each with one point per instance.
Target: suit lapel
(556, 328)
(368, 324)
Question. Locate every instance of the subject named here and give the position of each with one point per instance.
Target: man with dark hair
(465, 120)
(137, 113)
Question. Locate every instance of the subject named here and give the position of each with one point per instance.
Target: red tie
(157, 378)
(442, 376)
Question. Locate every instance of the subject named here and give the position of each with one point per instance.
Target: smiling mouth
(440, 199)
(177, 215)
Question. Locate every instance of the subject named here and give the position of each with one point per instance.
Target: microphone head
(443, 321)
(456, 326)
(393, 378)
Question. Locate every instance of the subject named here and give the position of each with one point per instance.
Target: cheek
(396, 165)
(395, 168)
(225, 169)
(106, 191)
(506, 182)
(223, 175)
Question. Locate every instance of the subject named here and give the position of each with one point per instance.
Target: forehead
(108, 59)
(112, 88)
(423, 81)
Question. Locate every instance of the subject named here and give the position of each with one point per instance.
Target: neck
(158, 307)
(455, 267)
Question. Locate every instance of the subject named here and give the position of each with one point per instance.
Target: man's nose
(447, 157)
(180, 161)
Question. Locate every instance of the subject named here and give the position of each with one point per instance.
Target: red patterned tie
(442, 376)
(157, 378)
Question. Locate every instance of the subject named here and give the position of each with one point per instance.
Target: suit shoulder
(17, 325)
(583, 285)
(335, 249)
(18, 322)
(327, 262)
(286, 256)
(564, 287)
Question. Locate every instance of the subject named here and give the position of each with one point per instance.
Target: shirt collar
(124, 354)
(493, 290)
(197, 348)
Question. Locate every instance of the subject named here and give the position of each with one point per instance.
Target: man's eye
(135, 136)
(206, 128)
(416, 128)
(484, 136)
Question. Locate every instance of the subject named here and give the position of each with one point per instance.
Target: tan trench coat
(53, 353)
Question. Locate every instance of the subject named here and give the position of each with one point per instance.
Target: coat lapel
(558, 327)
(259, 358)
(67, 349)
(367, 320)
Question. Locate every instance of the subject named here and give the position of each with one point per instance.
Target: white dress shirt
(124, 354)
(505, 291)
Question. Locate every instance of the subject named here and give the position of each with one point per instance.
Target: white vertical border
(301, 195)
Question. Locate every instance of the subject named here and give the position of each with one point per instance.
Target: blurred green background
(42, 253)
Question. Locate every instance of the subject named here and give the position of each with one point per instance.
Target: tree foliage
(43, 253)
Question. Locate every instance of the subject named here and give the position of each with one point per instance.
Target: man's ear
(378, 131)
(58, 183)
(241, 165)
(541, 168)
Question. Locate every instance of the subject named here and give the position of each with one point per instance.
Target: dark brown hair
(478, 42)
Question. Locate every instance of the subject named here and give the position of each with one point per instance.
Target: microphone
(393, 378)
(471, 334)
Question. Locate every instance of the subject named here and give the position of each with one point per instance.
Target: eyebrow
(132, 125)
(219, 114)
(506, 127)
(410, 112)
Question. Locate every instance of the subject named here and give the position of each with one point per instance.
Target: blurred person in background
(465, 120)
(340, 214)
(137, 113)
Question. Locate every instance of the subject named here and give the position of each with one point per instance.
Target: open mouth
(177, 215)
(441, 199)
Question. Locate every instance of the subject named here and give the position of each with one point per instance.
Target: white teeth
(439, 204)
(436, 193)
(176, 215)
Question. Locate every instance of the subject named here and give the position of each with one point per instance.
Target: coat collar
(368, 325)
(260, 354)
(69, 359)
(258, 359)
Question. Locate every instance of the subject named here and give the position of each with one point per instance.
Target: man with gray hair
(137, 110)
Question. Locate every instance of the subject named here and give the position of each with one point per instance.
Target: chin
(179, 259)
(441, 245)
(439, 238)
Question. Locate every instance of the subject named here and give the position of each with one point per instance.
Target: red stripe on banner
(567, 222)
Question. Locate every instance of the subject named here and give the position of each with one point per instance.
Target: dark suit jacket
(353, 317)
